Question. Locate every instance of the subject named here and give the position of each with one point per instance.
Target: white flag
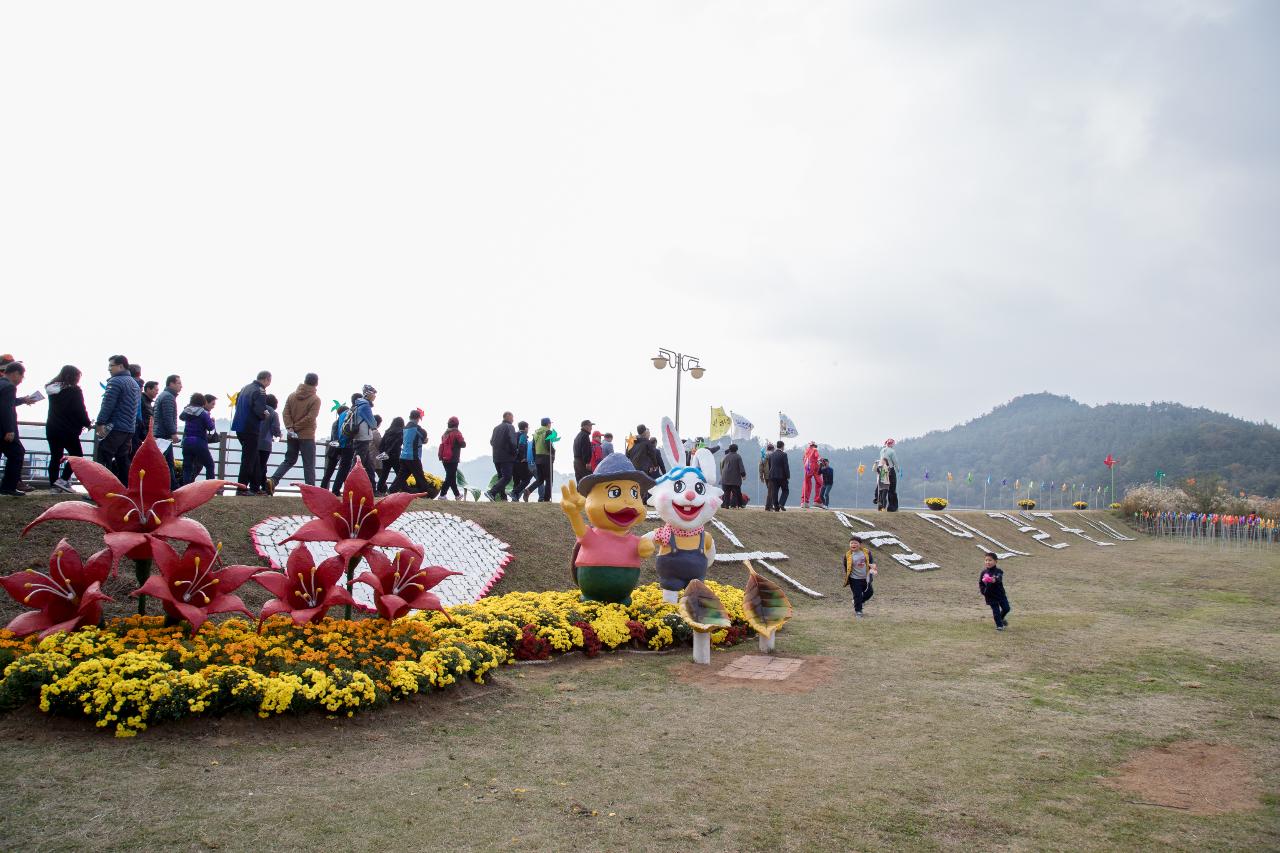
(786, 427)
(741, 427)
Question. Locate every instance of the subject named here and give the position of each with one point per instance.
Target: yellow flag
(721, 423)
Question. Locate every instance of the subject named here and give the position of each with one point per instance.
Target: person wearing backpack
(522, 471)
(451, 444)
(597, 450)
(333, 449)
(358, 430)
(542, 449)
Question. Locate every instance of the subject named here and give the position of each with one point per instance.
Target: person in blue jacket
(251, 411)
(118, 418)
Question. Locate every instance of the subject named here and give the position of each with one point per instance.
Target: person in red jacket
(811, 491)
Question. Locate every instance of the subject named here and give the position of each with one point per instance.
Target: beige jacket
(300, 412)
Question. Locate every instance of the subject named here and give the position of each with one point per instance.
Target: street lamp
(681, 363)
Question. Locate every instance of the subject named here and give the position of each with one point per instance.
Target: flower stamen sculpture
(136, 516)
(70, 596)
(355, 523)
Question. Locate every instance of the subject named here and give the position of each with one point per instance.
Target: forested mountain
(1047, 438)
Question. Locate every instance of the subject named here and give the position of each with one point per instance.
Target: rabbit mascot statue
(686, 497)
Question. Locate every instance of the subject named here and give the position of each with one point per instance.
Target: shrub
(1149, 497)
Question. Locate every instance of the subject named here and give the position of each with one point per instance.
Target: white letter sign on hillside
(1103, 527)
(1048, 516)
(1034, 532)
(881, 538)
(959, 529)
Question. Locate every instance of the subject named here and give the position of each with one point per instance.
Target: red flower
(355, 521)
(69, 597)
(145, 512)
(402, 584)
(304, 590)
(191, 587)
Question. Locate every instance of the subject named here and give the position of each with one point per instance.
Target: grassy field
(917, 728)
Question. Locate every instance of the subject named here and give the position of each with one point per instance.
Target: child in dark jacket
(859, 572)
(991, 585)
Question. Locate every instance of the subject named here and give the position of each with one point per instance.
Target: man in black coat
(582, 452)
(504, 443)
(10, 439)
(779, 479)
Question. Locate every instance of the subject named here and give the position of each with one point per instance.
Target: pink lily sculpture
(70, 596)
(304, 589)
(193, 586)
(402, 584)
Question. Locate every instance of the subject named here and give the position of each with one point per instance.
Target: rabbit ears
(673, 454)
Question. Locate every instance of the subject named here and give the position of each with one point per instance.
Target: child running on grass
(991, 585)
(859, 571)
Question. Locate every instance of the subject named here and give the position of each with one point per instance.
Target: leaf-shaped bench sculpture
(704, 612)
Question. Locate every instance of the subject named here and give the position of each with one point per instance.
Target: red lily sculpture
(304, 590)
(402, 584)
(144, 512)
(193, 587)
(355, 522)
(67, 598)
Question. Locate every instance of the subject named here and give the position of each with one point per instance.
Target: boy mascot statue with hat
(606, 559)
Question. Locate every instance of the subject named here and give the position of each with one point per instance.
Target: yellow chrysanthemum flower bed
(135, 672)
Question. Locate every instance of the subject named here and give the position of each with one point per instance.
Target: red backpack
(597, 454)
(445, 453)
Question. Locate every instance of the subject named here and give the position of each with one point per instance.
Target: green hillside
(1049, 438)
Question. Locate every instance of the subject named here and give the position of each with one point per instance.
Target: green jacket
(542, 441)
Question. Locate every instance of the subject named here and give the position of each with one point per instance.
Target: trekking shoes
(13, 493)
(999, 627)
(857, 614)
(63, 486)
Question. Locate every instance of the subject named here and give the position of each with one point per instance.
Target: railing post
(222, 456)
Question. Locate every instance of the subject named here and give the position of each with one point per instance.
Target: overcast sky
(879, 218)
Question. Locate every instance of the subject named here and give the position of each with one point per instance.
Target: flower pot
(610, 584)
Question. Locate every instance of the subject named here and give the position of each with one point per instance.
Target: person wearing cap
(544, 453)
(449, 454)
(606, 559)
(811, 487)
(582, 451)
(889, 459)
(597, 448)
(362, 441)
(522, 470)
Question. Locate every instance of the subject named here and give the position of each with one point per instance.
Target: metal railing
(226, 457)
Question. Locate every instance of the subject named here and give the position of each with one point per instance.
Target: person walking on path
(991, 585)
(10, 437)
(449, 454)
(859, 571)
(359, 435)
(67, 418)
(828, 480)
(197, 427)
(504, 443)
(301, 410)
(251, 411)
(889, 458)
(582, 452)
(333, 449)
(164, 422)
(732, 473)
(522, 470)
(117, 418)
(270, 432)
(544, 454)
(389, 453)
(779, 479)
(811, 486)
(412, 439)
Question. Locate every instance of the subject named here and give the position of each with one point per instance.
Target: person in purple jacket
(198, 424)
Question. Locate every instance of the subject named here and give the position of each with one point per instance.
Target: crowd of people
(523, 461)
